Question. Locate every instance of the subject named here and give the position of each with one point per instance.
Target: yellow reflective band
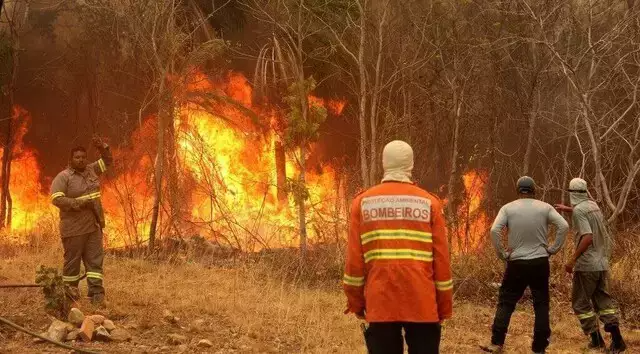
(444, 285)
(56, 195)
(389, 254)
(607, 312)
(71, 278)
(399, 234)
(353, 281)
(586, 315)
(94, 275)
(102, 165)
(95, 195)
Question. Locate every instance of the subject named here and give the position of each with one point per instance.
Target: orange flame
(471, 218)
(220, 178)
(226, 168)
(29, 205)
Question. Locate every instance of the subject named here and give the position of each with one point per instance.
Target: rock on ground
(176, 339)
(102, 334)
(170, 317)
(86, 330)
(197, 326)
(205, 343)
(75, 317)
(73, 335)
(97, 319)
(57, 331)
(109, 325)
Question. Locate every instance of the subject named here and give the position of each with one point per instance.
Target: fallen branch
(61, 345)
(3, 286)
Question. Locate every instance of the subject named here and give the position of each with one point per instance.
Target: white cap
(578, 185)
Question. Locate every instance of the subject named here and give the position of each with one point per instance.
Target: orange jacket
(397, 267)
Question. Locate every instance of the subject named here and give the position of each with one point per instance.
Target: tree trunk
(302, 213)
(6, 203)
(454, 155)
(281, 173)
(527, 153)
(159, 165)
(6, 175)
(362, 108)
(173, 180)
(375, 102)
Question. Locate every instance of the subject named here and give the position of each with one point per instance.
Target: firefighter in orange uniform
(397, 272)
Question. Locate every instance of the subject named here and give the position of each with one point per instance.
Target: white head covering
(578, 191)
(397, 162)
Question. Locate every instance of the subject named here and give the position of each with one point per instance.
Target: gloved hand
(79, 204)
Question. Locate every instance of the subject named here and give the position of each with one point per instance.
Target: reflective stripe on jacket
(397, 266)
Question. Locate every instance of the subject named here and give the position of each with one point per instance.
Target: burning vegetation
(231, 176)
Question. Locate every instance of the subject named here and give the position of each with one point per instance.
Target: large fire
(29, 207)
(221, 176)
(471, 220)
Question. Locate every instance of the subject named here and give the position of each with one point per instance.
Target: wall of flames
(225, 168)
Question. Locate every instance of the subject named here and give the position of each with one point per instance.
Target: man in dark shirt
(76, 192)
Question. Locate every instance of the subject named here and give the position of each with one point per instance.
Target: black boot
(597, 342)
(617, 343)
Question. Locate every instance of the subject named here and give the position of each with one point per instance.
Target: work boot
(492, 348)
(617, 343)
(72, 292)
(97, 300)
(597, 342)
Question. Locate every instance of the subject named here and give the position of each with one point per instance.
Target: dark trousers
(518, 276)
(386, 337)
(88, 249)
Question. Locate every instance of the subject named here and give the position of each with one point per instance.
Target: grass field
(246, 308)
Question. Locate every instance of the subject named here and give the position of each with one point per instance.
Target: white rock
(75, 317)
(109, 325)
(205, 343)
(57, 331)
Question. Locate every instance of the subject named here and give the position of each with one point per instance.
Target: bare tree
(162, 36)
(15, 20)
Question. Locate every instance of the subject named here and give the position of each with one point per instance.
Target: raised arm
(106, 157)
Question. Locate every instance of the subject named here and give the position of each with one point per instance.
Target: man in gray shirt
(527, 221)
(590, 267)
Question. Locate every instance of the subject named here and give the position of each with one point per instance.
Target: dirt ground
(244, 311)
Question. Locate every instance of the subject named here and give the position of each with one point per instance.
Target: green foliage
(53, 290)
(299, 190)
(301, 131)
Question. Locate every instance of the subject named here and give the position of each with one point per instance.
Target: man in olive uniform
(76, 192)
(590, 267)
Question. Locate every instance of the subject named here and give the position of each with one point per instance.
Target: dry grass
(248, 308)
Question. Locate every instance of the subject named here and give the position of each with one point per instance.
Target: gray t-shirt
(528, 223)
(588, 219)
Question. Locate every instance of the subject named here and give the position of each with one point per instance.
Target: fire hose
(24, 330)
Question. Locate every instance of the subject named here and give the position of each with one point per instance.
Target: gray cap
(526, 184)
